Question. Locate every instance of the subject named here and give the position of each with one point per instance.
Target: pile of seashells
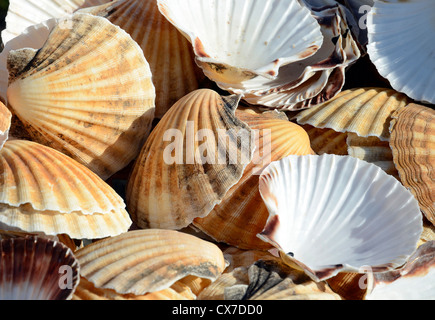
(217, 149)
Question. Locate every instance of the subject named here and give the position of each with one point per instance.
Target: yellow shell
(168, 52)
(87, 93)
(43, 190)
(181, 175)
(143, 261)
(242, 214)
(413, 144)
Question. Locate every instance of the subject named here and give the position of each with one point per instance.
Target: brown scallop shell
(242, 214)
(43, 190)
(168, 52)
(413, 145)
(172, 181)
(37, 269)
(364, 111)
(150, 260)
(87, 92)
(327, 140)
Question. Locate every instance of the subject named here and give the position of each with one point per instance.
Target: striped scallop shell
(241, 214)
(334, 213)
(401, 46)
(413, 281)
(168, 52)
(167, 256)
(25, 13)
(194, 155)
(413, 145)
(42, 190)
(37, 269)
(373, 150)
(68, 94)
(364, 111)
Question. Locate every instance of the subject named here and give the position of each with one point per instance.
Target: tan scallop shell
(150, 260)
(87, 92)
(413, 144)
(87, 291)
(196, 152)
(373, 150)
(364, 111)
(5, 123)
(37, 269)
(168, 52)
(242, 214)
(43, 190)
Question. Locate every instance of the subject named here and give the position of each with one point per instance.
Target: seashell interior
(393, 40)
(104, 128)
(37, 269)
(167, 256)
(334, 213)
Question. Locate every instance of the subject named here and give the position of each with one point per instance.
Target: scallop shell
(413, 145)
(87, 291)
(168, 52)
(103, 129)
(42, 190)
(25, 13)
(179, 176)
(414, 281)
(334, 213)
(167, 256)
(364, 111)
(5, 124)
(241, 214)
(37, 269)
(317, 78)
(373, 150)
(400, 45)
(223, 58)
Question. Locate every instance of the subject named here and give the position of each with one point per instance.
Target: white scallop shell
(25, 13)
(237, 41)
(338, 213)
(401, 46)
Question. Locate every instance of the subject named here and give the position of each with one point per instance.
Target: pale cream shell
(87, 92)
